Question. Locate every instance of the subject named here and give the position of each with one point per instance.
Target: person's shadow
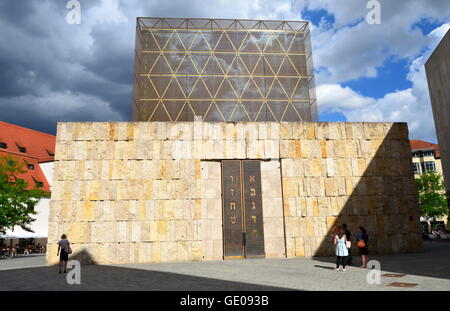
(324, 267)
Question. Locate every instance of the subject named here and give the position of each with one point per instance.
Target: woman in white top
(340, 240)
(63, 252)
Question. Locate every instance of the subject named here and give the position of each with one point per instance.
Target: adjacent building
(426, 157)
(224, 159)
(37, 151)
(438, 75)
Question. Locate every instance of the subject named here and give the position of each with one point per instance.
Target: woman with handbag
(340, 240)
(361, 242)
(63, 252)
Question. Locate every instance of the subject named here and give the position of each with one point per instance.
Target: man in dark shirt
(348, 236)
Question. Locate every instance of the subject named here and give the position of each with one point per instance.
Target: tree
(432, 200)
(16, 201)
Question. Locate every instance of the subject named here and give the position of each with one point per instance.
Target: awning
(19, 233)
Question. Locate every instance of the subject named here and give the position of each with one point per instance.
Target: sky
(54, 71)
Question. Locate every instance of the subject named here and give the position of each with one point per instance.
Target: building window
(416, 168)
(30, 166)
(416, 155)
(50, 154)
(429, 167)
(3, 145)
(39, 184)
(428, 154)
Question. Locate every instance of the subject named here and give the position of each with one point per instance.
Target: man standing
(348, 235)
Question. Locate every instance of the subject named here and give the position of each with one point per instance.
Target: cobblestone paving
(430, 270)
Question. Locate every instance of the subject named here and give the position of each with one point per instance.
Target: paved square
(430, 270)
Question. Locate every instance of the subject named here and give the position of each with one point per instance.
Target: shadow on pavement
(102, 277)
(433, 262)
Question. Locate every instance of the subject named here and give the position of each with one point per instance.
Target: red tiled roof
(40, 147)
(424, 145)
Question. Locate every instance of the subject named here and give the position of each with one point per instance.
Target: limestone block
(171, 230)
(214, 170)
(229, 149)
(79, 232)
(64, 131)
(292, 227)
(284, 149)
(322, 131)
(198, 251)
(252, 148)
(260, 153)
(287, 166)
(103, 232)
(274, 130)
(219, 149)
(314, 167)
(64, 150)
(156, 150)
(316, 186)
(83, 131)
(79, 150)
(198, 130)
(311, 149)
(286, 130)
(209, 149)
(365, 148)
(241, 150)
(273, 227)
(310, 203)
(290, 247)
(214, 209)
(240, 132)
(331, 187)
(331, 170)
(263, 131)
(198, 149)
(301, 206)
(230, 131)
(162, 229)
(271, 184)
(299, 247)
(290, 187)
(311, 131)
(156, 252)
(216, 229)
(184, 250)
(217, 252)
(161, 130)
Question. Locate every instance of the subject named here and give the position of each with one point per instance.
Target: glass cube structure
(223, 70)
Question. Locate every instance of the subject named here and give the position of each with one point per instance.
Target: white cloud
(411, 105)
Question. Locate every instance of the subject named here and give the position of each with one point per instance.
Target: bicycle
(6, 253)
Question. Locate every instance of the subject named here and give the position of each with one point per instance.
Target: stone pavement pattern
(431, 270)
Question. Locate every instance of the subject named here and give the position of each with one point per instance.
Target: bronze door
(243, 232)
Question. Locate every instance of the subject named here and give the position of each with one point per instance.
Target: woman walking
(63, 252)
(361, 241)
(340, 241)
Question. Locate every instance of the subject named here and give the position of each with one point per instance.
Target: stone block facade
(134, 192)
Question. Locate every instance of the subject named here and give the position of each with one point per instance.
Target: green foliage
(16, 202)
(432, 200)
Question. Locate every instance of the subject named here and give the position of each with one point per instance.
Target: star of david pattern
(223, 70)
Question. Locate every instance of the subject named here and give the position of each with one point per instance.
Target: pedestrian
(63, 252)
(362, 240)
(348, 236)
(341, 248)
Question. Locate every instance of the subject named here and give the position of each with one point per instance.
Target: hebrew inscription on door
(243, 232)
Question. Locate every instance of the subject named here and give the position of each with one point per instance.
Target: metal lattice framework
(223, 70)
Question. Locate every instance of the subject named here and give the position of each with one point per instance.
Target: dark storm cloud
(52, 71)
(42, 59)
